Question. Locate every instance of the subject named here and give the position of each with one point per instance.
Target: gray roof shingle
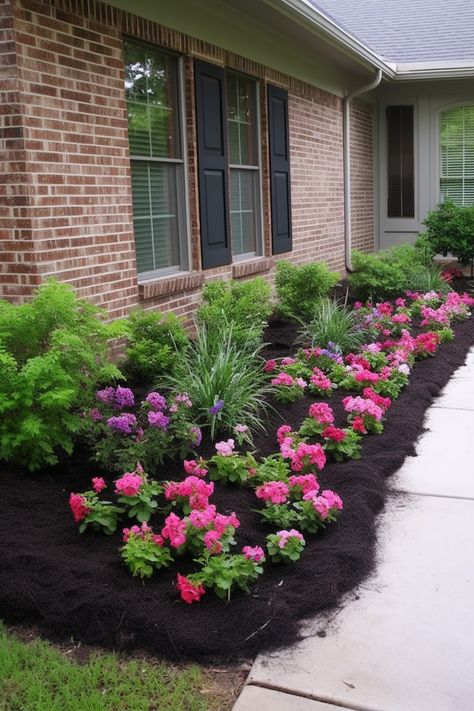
(408, 30)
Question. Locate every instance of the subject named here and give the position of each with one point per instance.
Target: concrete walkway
(405, 641)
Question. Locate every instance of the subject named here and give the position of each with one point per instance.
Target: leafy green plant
(299, 288)
(155, 343)
(285, 546)
(226, 385)
(245, 306)
(450, 230)
(225, 572)
(233, 469)
(144, 552)
(332, 323)
(53, 354)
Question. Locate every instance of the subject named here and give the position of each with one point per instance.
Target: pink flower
(308, 455)
(225, 449)
(275, 491)
(383, 402)
(400, 302)
(222, 523)
(283, 379)
(98, 484)
(307, 482)
(203, 518)
(358, 425)
(78, 507)
(282, 432)
(241, 429)
(333, 433)
(288, 361)
(270, 366)
(322, 413)
(156, 401)
(193, 467)
(96, 415)
(256, 554)
(129, 484)
(174, 530)
(190, 592)
(212, 542)
(158, 419)
(320, 380)
(301, 383)
(333, 499)
(321, 506)
(285, 536)
(358, 305)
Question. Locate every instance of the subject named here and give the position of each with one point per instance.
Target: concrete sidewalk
(406, 641)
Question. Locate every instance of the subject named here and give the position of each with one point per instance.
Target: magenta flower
(217, 407)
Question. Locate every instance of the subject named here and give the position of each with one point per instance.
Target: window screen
(457, 155)
(401, 188)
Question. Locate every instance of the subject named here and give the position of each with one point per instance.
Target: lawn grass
(35, 676)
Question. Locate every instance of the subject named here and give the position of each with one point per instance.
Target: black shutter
(279, 169)
(400, 162)
(212, 164)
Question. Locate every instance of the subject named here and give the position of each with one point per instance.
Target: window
(156, 151)
(244, 163)
(457, 155)
(400, 161)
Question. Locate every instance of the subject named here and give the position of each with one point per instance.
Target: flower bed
(78, 585)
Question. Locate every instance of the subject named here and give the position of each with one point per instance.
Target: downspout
(347, 165)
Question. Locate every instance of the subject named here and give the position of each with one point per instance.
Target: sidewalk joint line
(434, 496)
(311, 697)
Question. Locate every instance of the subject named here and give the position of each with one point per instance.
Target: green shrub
(218, 375)
(450, 230)
(245, 306)
(155, 343)
(53, 354)
(390, 272)
(300, 288)
(332, 323)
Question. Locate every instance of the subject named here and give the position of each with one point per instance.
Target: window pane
(242, 120)
(400, 162)
(244, 211)
(152, 102)
(155, 209)
(457, 155)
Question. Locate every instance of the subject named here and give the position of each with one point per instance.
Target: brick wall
(76, 216)
(362, 176)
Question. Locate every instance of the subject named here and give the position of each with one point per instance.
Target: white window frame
(182, 175)
(442, 110)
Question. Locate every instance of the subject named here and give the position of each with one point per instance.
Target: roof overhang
(303, 13)
(415, 71)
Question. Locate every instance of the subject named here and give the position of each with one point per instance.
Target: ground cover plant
(195, 537)
(37, 677)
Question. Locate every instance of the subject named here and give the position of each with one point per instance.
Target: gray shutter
(212, 164)
(279, 169)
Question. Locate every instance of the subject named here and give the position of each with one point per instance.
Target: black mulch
(73, 585)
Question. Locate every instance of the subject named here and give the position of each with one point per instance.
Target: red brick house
(148, 147)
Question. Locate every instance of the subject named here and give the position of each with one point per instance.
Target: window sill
(252, 266)
(156, 288)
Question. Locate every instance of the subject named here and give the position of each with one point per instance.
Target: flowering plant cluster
(223, 574)
(121, 433)
(144, 551)
(288, 388)
(286, 546)
(230, 467)
(89, 511)
(137, 494)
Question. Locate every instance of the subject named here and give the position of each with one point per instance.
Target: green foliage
(390, 272)
(103, 515)
(348, 448)
(332, 323)
(300, 288)
(215, 369)
(245, 306)
(143, 556)
(155, 344)
(289, 554)
(450, 230)
(272, 468)
(279, 515)
(143, 505)
(37, 677)
(226, 572)
(53, 354)
(233, 469)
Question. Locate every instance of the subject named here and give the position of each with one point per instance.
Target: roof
(407, 31)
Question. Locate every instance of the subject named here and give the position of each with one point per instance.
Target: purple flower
(217, 407)
(197, 436)
(157, 419)
(95, 415)
(156, 401)
(107, 396)
(125, 423)
(124, 397)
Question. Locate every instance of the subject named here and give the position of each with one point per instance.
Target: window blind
(400, 162)
(457, 155)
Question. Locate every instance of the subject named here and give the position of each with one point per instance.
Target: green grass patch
(37, 677)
